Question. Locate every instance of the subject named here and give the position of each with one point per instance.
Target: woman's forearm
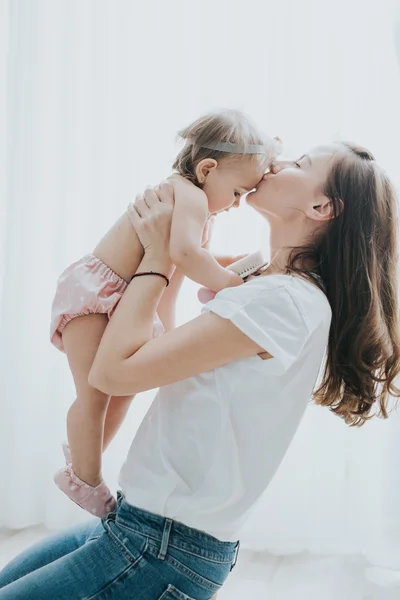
(131, 326)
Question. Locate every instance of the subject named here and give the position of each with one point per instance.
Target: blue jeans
(132, 554)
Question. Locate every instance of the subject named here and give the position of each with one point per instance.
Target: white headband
(235, 148)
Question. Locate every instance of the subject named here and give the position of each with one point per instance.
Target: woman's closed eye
(305, 156)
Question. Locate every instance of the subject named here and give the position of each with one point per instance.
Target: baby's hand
(234, 279)
(226, 260)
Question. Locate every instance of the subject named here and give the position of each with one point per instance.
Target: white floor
(12, 543)
(262, 576)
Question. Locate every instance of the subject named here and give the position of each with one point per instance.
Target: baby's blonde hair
(230, 126)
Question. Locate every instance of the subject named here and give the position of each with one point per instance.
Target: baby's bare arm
(188, 222)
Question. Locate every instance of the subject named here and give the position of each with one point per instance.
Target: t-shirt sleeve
(268, 314)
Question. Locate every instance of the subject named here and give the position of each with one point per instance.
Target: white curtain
(92, 95)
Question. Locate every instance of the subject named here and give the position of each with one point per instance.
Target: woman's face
(292, 188)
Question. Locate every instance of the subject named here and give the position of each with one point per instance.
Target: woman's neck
(282, 243)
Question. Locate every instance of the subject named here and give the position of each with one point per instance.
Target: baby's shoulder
(186, 191)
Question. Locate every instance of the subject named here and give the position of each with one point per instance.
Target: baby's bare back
(120, 248)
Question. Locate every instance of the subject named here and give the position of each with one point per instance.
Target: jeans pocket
(172, 593)
(131, 543)
(208, 573)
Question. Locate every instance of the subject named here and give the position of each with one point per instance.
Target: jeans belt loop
(165, 539)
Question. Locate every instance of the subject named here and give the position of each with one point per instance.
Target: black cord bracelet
(152, 273)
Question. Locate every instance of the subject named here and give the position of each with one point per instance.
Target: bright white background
(91, 96)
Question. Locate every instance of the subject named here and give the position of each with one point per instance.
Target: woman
(234, 382)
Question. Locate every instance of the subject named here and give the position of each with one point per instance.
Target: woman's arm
(167, 306)
(129, 360)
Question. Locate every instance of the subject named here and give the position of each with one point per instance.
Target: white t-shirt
(210, 444)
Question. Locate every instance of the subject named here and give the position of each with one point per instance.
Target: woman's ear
(324, 210)
(203, 169)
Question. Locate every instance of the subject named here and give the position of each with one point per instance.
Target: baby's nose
(279, 165)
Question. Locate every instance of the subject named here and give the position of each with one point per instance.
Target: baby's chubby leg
(116, 413)
(85, 420)
(82, 481)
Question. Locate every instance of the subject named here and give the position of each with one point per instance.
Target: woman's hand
(152, 218)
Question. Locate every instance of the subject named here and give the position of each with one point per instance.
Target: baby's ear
(203, 168)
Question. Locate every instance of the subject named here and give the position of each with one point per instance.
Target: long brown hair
(357, 261)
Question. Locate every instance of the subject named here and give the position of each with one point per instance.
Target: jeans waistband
(166, 531)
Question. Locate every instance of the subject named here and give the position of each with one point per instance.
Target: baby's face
(231, 179)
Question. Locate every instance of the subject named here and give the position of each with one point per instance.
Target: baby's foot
(97, 500)
(205, 295)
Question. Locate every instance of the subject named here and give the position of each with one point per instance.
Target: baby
(224, 157)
